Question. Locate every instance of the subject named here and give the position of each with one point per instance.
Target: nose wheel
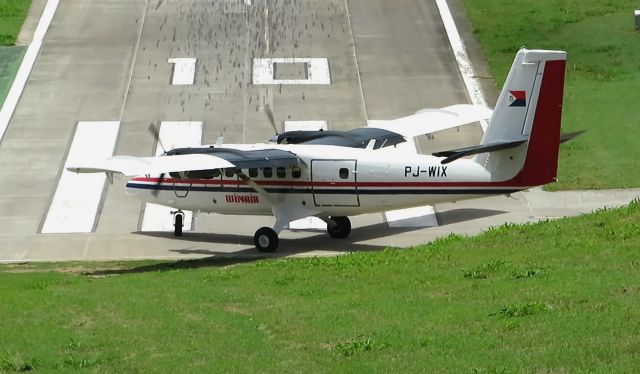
(266, 240)
(338, 227)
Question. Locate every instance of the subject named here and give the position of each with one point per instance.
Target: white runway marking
(173, 134)
(462, 58)
(77, 198)
(408, 147)
(28, 61)
(184, 71)
(422, 216)
(305, 125)
(317, 71)
(308, 223)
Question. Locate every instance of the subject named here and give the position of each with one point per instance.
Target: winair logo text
(427, 171)
(242, 199)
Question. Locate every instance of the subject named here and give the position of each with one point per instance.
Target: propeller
(271, 118)
(155, 132)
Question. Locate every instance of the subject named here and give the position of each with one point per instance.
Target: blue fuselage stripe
(329, 191)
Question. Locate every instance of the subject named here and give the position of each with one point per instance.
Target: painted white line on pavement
(173, 134)
(317, 71)
(184, 71)
(24, 70)
(422, 216)
(77, 198)
(408, 147)
(462, 58)
(305, 125)
(308, 223)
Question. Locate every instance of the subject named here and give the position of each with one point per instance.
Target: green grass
(12, 15)
(603, 72)
(10, 59)
(557, 296)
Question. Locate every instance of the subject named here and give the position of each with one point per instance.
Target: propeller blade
(156, 188)
(272, 120)
(155, 132)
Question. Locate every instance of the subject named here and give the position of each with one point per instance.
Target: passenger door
(334, 182)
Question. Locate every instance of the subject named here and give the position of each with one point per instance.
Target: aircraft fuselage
(332, 181)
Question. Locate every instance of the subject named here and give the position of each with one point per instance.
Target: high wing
(188, 159)
(429, 121)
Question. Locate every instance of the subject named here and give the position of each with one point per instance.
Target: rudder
(529, 108)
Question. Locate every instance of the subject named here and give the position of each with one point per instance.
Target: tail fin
(529, 109)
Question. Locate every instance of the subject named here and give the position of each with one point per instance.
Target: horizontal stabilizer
(455, 154)
(570, 136)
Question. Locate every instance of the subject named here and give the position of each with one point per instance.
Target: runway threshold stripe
(307, 223)
(184, 71)
(173, 134)
(422, 216)
(77, 198)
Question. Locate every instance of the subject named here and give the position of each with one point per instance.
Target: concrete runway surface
(109, 61)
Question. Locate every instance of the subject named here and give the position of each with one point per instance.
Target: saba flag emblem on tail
(518, 98)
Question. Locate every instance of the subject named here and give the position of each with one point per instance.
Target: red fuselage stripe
(290, 183)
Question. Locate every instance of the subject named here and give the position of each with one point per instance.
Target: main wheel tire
(340, 229)
(266, 240)
(177, 225)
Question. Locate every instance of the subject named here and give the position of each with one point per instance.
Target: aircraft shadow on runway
(288, 247)
(453, 216)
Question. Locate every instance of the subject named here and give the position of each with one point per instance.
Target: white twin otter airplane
(335, 174)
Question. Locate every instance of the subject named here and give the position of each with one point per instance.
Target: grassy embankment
(556, 296)
(12, 15)
(603, 78)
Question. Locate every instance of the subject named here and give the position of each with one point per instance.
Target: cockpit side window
(343, 173)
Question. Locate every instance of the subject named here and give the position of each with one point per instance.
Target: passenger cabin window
(281, 172)
(229, 173)
(296, 172)
(343, 173)
(253, 172)
(267, 172)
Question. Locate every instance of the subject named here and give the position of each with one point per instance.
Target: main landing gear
(266, 238)
(338, 227)
(178, 222)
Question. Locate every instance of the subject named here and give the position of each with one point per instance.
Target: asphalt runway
(109, 61)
